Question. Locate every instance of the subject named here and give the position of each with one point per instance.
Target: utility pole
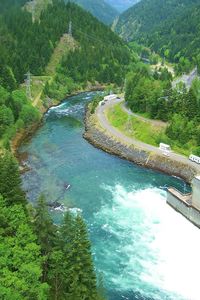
(28, 85)
(70, 28)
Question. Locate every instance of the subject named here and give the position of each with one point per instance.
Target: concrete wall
(196, 193)
(100, 138)
(187, 211)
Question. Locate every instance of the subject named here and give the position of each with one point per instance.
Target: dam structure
(187, 204)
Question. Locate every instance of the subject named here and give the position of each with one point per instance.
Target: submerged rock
(54, 204)
(67, 186)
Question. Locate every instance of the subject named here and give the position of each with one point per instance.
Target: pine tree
(82, 283)
(10, 181)
(46, 232)
(57, 274)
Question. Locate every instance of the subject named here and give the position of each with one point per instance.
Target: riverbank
(112, 141)
(26, 133)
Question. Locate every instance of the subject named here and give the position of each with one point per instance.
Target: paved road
(187, 79)
(101, 114)
(150, 121)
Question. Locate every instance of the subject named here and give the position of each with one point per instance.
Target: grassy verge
(150, 134)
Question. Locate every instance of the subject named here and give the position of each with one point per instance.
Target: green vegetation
(85, 60)
(151, 94)
(36, 7)
(99, 56)
(40, 260)
(95, 102)
(100, 9)
(169, 27)
(16, 112)
(133, 127)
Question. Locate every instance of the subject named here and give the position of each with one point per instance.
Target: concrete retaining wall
(101, 139)
(187, 211)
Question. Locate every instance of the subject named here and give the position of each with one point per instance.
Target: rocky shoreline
(98, 137)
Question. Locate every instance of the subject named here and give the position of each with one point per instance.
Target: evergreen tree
(46, 232)
(20, 263)
(82, 281)
(10, 181)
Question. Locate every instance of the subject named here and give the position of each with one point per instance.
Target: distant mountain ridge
(122, 5)
(148, 15)
(170, 27)
(100, 9)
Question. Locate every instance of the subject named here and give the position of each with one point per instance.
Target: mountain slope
(148, 15)
(170, 27)
(7, 4)
(122, 5)
(100, 9)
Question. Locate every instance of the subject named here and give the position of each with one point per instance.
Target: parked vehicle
(164, 147)
(194, 158)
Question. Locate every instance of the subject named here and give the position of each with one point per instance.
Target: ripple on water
(145, 249)
(141, 249)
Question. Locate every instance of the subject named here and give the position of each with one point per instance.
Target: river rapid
(144, 249)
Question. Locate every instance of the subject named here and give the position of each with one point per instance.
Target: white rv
(164, 147)
(195, 158)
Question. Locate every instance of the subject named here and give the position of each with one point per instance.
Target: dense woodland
(40, 260)
(100, 56)
(169, 27)
(151, 93)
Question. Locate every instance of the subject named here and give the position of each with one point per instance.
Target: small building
(187, 204)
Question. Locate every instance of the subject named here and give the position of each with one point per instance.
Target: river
(145, 249)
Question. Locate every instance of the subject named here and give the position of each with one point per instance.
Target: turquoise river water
(144, 248)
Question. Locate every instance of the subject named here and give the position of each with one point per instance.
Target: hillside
(89, 63)
(7, 4)
(170, 27)
(38, 261)
(100, 9)
(122, 5)
(36, 7)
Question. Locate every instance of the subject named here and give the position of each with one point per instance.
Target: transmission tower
(28, 85)
(70, 28)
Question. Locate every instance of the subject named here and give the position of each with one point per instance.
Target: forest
(151, 93)
(100, 56)
(170, 28)
(40, 260)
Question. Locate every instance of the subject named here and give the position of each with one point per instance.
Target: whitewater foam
(154, 250)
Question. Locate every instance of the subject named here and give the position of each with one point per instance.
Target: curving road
(115, 133)
(150, 121)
